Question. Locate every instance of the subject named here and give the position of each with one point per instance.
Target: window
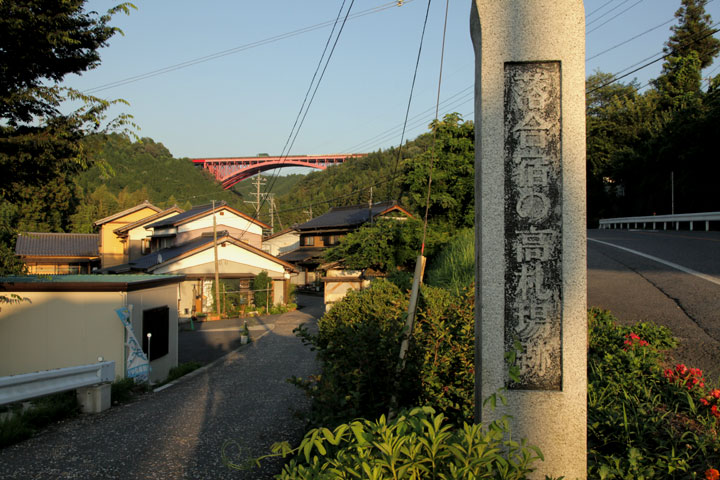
(145, 246)
(330, 240)
(156, 321)
(308, 241)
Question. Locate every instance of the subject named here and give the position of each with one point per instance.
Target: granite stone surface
(530, 221)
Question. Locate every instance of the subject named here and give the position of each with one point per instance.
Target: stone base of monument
(95, 398)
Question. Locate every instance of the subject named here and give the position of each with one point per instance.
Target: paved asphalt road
(638, 288)
(179, 432)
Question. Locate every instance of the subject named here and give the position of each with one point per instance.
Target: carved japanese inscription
(533, 223)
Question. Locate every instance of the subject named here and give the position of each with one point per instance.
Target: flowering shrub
(633, 340)
(690, 378)
(646, 421)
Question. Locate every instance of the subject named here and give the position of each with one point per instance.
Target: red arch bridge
(229, 171)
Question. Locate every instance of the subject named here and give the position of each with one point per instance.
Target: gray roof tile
(57, 244)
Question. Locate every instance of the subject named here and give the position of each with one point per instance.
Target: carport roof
(86, 283)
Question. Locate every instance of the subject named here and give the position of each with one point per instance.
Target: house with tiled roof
(328, 229)
(58, 253)
(195, 259)
(146, 239)
(112, 248)
(136, 238)
(197, 221)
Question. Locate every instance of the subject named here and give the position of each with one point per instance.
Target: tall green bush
(358, 344)
(260, 284)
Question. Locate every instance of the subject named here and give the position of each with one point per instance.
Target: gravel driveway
(179, 432)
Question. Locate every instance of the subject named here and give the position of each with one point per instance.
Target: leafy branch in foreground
(418, 444)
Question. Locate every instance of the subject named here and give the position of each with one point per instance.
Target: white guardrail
(16, 388)
(656, 222)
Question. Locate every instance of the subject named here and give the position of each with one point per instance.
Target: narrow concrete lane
(179, 432)
(637, 288)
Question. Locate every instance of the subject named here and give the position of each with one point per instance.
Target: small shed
(69, 320)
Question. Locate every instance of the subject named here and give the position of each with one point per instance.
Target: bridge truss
(231, 170)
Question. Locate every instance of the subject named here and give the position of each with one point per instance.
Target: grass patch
(179, 371)
(125, 390)
(22, 424)
(453, 268)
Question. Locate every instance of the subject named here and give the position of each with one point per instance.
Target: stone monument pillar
(530, 223)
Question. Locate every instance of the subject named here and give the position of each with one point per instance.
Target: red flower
(715, 393)
(712, 474)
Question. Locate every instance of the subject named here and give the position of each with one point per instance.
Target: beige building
(136, 238)
(112, 247)
(71, 320)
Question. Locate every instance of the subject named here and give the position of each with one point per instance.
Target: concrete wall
(64, 329)
(151, 298)
(61, 329)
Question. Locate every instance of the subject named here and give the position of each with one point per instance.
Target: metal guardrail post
(16, 388)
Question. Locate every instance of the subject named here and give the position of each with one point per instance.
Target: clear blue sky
(246, 102)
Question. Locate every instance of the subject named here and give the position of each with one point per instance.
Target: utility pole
(217, 273)
(370, 216)
(274, 209)
(672, 193)
(271, 196)
(308, 212)
(259, 181)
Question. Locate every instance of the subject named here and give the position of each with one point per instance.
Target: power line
(607, 13)
(629, 40)
(616, 77)
(598, 9)
(613, 18)
(412, 89)
(317, 85)
(231, 51)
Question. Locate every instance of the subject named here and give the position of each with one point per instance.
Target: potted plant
(244, 334)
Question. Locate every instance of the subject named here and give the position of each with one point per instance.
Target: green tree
(693, 33)
(387, 244)
(452, 161)
(41, 152)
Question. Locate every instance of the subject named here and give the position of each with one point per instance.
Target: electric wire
(607, 13)
(613, 18)
(628, 40)
(309, 103)
(231, 51)
(410, 97)
(433, 152)
(598, 9)
(615, 78)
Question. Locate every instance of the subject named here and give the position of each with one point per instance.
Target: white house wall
(136, 236)
(230, 253)
(228, 219)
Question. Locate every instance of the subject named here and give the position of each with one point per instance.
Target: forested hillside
(126, 172)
